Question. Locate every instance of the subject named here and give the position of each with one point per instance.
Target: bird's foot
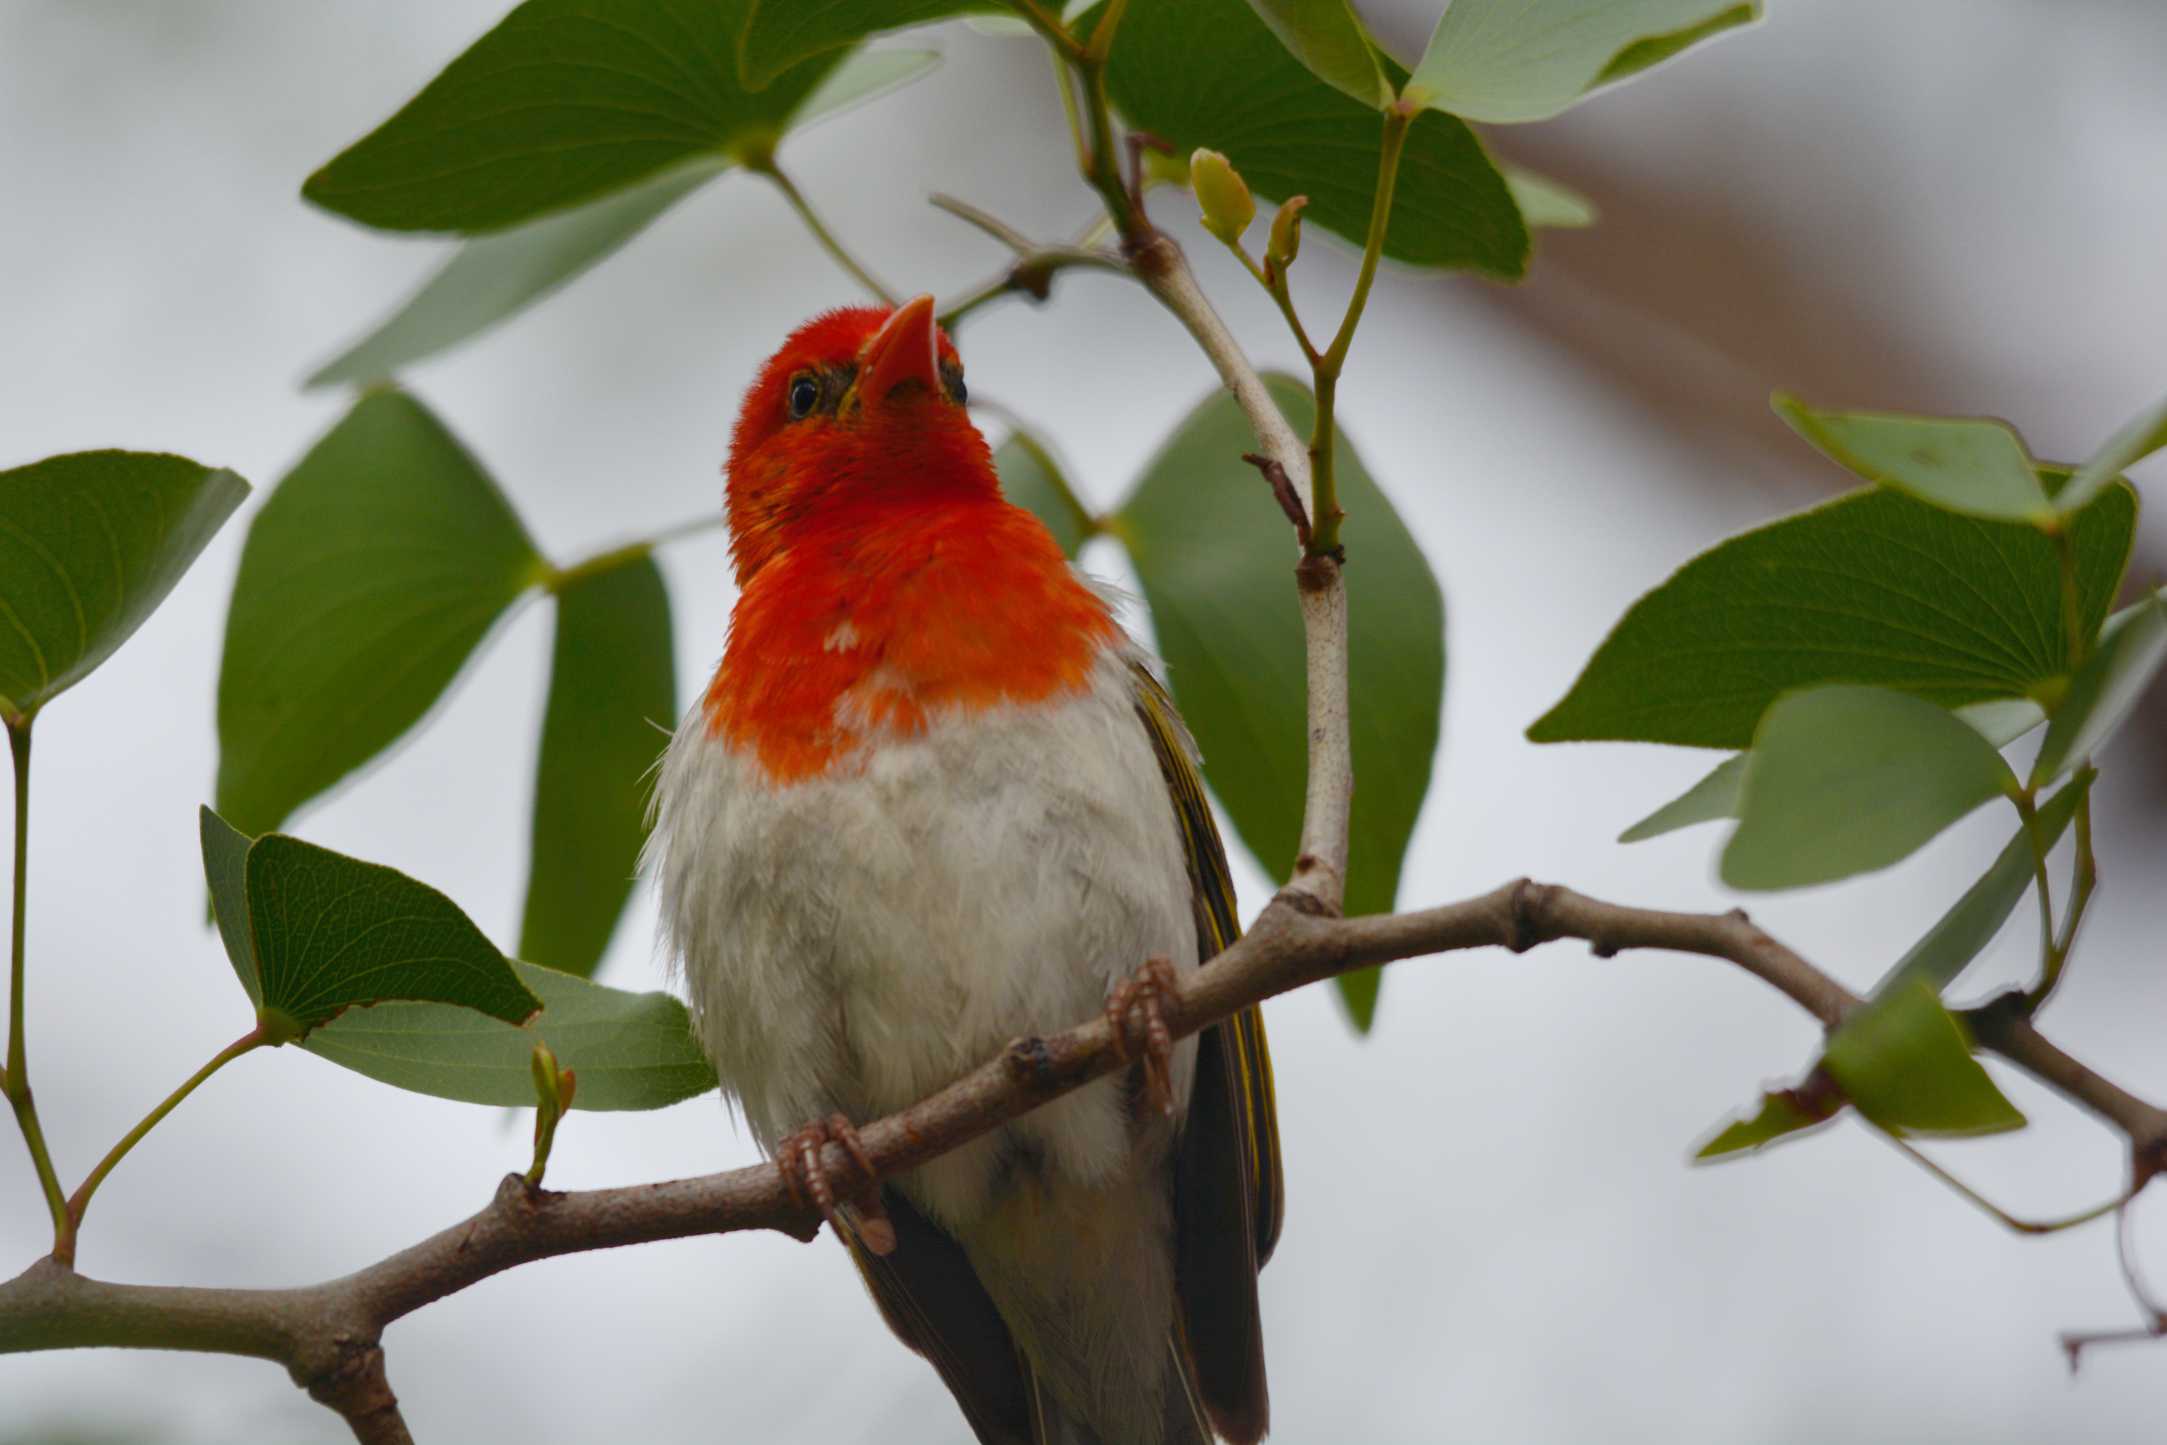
(1141, 993)
(800, 1158)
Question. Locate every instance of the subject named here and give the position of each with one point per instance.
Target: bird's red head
(883, 582)
(859, 414)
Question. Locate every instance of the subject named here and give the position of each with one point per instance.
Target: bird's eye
(804, 395)
(952, 383)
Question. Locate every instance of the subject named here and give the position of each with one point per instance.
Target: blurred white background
(1493, 1234)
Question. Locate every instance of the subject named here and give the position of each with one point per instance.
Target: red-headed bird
(934, 800)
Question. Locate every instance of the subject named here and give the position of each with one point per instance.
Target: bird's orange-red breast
(934, 799)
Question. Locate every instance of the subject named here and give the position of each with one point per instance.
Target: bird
(934, 799)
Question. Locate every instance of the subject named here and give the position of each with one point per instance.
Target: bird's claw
(1141, 993)
(799, 1156)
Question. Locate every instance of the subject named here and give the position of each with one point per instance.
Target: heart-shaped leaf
(2000, 721)
(565, 101)
(376, 567)
(630, 1050)
(493, 277)
(324, 933)
(1976, 466)
(1521, 60)
(612, 701)
(1875, 587)
(90, 544)
(1843, 780)
(1216, 559)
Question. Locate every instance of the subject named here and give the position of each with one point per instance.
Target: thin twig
(1032, 271)
(765, 165)
(319, 1331)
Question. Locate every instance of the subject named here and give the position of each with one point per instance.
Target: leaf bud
(1286, 238)
(1222, 195)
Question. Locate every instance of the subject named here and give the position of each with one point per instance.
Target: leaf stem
(556, 579)
(1274, 281)
(1325, 513)
(18, 1065)
(2084, 870)
(2084, 880)
(79, 1202)
(2006, 1219)
(765, 165)
(2029, 813)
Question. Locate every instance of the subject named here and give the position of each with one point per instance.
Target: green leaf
(1844, 780)
(1326, 36)
(90, 544)
(1208, 73)
(630, 1050)
(1714, 796)
(1959, 935)
(1972, 465)
(1034, 481)
(563, 102)
(1782, 1112)
(332, 932)
(1216, 559)
(225, 868)
(1548, 204)
(1875, 587)
(2104, 690)
(494, 277)
(374, 570)
(325, 933)
(2000, 722)
(778, 34)
(1521, 60)
(612, 701)
(2138, 438)
(1904, 1062)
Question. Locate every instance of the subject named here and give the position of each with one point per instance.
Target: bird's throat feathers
(874, 616)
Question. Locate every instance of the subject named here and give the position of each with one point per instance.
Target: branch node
(1524, 929)
(1301, 900)
(1319, 571)
(1030, 1062)
(355, 1386)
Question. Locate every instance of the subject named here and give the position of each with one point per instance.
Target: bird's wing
(1229, 1190)
(930, 1296)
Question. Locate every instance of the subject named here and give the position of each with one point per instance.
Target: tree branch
(328, 1334)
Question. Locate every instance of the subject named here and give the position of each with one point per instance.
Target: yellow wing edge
(1217, 927)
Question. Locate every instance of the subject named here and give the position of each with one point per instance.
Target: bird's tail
(1183, 1410)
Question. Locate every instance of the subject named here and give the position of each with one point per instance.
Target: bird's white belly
(856, 941)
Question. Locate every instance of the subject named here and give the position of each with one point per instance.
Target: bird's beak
(906, 349)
